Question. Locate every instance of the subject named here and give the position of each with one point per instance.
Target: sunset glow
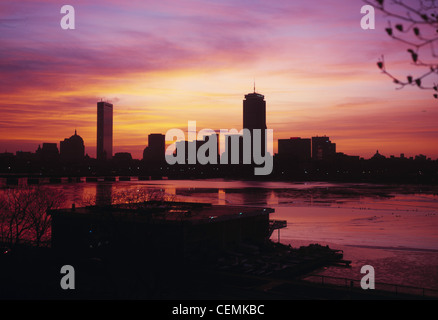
(164, 63)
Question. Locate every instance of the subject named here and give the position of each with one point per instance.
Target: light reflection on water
(373, 224)
(342, 213)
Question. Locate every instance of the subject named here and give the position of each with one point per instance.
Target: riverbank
(408, 270)
(241, 276)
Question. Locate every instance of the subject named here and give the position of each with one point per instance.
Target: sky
(164, 63)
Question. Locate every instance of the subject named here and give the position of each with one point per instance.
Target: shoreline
(393, 266)
(392, 248)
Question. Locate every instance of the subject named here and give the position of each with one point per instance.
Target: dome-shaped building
(378, 156)
(72, 149)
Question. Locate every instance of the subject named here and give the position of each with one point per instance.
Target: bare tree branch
(23, 214)
(419, 34)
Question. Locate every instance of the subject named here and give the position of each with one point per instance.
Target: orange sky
(165, 63)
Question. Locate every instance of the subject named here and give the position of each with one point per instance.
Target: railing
(396, 289)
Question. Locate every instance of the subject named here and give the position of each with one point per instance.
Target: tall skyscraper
(254, 116)
(104, 130)
(254, 111)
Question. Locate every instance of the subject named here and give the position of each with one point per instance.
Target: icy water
(392, 228)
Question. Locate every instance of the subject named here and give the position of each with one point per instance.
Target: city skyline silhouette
(188, 150)
(297, 158)
(253, 117)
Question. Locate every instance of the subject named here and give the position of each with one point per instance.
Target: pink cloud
(313, 52)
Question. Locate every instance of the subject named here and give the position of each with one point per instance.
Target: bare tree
(23, 213)
(38, 218)
(415, 24)
(4, 226)
(14, 224)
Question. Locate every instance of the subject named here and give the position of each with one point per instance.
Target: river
(392, 228)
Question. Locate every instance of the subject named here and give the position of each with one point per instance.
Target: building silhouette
(104, 130)
(378, 156)
(48, 153)
(122, 157)
(188, 152)
(72, 149)
(294, 149)
(323, 148)
(233, 146)
(24, 156)
(254, 117)
(154, 153)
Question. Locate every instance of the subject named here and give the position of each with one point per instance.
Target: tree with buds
(415, 25)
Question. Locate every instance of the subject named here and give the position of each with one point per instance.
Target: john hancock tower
(104, 130)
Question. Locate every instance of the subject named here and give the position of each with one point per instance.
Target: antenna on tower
(254, 86)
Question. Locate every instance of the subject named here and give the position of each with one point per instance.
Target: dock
(276, 225)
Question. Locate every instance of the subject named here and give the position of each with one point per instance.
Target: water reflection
(219, 191)
(272, 200)
(104, 194)
(221, 197)
(347, 213)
